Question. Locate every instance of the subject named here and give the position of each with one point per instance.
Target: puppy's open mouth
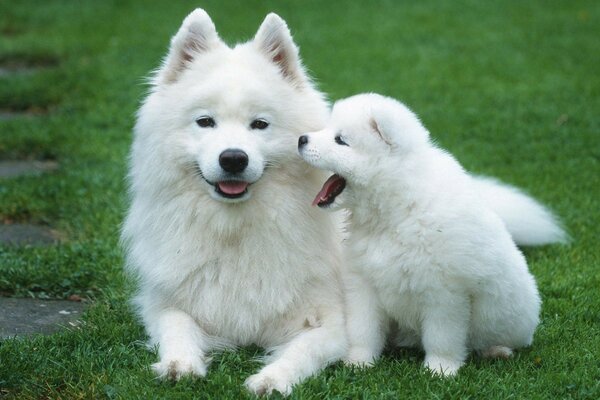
(232, 189)
(332, 188)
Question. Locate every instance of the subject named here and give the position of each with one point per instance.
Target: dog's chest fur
(236, 290)
(238, 279)
(397, 257)
(233, 296)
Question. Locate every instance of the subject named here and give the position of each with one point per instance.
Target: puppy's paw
(442, 366)
(175, 369)
(267, 381)
(360, 357)
(497, 352)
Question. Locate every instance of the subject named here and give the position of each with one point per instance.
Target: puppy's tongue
(232, 187)
(330, 190)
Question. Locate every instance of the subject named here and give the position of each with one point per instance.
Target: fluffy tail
(528, 221)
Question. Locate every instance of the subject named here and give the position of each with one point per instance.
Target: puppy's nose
(233, 160)
(302, 140)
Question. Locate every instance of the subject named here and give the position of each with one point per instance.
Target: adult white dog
(426, 248)
(220, 232)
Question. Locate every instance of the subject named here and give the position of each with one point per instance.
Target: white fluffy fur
(426, 249)
(529, 222)
(213, 272)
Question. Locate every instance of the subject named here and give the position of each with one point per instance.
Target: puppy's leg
(180, 345)
(445, 329)
(365, 322)
(303, 356)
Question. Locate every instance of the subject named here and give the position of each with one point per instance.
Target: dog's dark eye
(206, 122)
(340, 141)
(259, 124)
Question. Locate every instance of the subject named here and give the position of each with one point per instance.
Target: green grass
(511, 88)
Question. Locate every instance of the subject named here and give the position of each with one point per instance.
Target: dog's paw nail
(350, 362)
(177, 369)
(265, 383)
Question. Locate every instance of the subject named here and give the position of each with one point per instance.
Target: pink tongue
(328, 187)
(232, 187)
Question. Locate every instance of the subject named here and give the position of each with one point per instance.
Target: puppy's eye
(205, 122)
(259, 124)
(340, 141)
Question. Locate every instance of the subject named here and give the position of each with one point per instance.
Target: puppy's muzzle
(302, 141)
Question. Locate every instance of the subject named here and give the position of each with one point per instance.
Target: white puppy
(425, 248)
(220, 232)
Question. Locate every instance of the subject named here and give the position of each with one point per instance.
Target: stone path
(23, 317)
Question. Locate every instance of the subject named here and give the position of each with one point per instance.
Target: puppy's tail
(529, 222)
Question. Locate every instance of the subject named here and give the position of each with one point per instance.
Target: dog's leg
(303, 356)
(180, 345)
(445, 329)
(365, 322)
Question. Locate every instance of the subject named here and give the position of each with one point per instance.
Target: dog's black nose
(302, 140)
(233, 160)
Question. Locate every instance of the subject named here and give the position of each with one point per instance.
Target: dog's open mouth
(232, 189)
(332, 188)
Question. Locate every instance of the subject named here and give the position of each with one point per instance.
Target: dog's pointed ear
(275, 41)
(196, 35)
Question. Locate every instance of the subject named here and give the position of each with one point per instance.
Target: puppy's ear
(379, 128)
(275, 41)
(196, 35)
(397, 126)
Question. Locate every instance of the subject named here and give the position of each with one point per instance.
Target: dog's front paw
(360, 357)
(175, 369)
(442, 366)
(268, 380)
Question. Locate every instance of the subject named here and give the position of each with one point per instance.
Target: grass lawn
(512, 88)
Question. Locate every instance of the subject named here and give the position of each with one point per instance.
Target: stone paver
(15, 168)
(27, 234)
(18, 66)
(8, 114)
(22, 317)
(17, 70)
